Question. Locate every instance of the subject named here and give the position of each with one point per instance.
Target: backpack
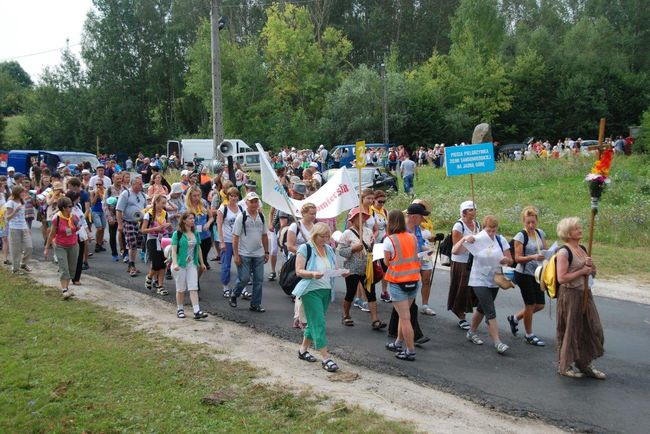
(392, 156)
(548, 274)
(245, 216)
(225, 211)
(288, 278)
(447, 244)
(512, 245)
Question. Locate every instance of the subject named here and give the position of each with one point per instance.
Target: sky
(33, 32)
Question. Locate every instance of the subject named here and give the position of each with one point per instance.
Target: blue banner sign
(465, 160)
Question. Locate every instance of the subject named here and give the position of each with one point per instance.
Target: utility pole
(217, 109)
(385, 103)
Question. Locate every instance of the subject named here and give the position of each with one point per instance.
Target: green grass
(76, 367)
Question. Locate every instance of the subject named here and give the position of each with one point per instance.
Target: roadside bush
(642, 143)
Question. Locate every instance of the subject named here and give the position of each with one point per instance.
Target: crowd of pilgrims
(173, 228)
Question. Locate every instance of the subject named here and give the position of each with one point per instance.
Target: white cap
(468, 204)
(11, 169)
(60, 166)
(85, 172)
(252, 196)
(313, 164)
(185, 172)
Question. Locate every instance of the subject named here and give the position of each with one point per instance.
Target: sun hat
(300, 188)
(354, 212)
(58, 185)
(176, 188)
(252, 196)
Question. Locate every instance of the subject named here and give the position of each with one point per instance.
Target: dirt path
(393, 397)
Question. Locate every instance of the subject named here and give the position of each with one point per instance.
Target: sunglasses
(381, 201)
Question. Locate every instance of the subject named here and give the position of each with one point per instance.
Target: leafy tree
(14, 86)
(642, 143)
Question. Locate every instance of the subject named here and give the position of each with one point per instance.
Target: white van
(248, 161)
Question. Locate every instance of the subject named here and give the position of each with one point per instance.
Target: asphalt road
(524, 382)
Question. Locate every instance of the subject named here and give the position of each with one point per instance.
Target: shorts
(99, 219)
(132, 234)
(398, 294)
(426, 264)
(156, 256)
(186, 278)
(486, 297)
(530, 289)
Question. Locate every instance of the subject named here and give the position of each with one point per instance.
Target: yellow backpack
(547, 274)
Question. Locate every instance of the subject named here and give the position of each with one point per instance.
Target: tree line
(300, 73)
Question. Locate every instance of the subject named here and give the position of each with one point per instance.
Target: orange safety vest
(405, 265)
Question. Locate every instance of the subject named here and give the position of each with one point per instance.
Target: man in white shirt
(99, 176)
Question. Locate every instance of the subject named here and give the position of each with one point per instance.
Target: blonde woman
(529, 244)
(155, 225)
(579, 331)
(313, 260)
(198, 206)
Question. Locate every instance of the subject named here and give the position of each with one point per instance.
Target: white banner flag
(336, 196)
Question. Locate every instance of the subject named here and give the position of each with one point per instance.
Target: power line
(40, 52)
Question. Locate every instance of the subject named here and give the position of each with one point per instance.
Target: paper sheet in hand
(481, 242)
(550, 252)
(378, 251)
(334, 273)
(425, 254)
(336, 235)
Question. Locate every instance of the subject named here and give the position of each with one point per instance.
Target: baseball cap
(185, 172)
(100, 166)
(252, 196)
(11, 169)
(417, 209)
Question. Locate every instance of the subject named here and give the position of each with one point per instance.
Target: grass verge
(77, 367)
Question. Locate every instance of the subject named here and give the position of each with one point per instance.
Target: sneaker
(85, 266)
(357, 302)
(148, 283)
(18, 272)
(116, 258)
(474, 338)
(256, 308)
(385, 297)
(513, 324)
(534, 340)
(200, 315)
(364, 307)
(463, 324)
(67, 294)
(99, 249)
(26, 267)
(125, 259)
(501, 347)
(272, 276)
(233, 301)
(426, 310)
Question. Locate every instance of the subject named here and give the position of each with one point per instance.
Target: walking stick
(435, 261)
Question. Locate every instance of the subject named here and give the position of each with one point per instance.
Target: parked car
(507, 152)
(248, 161)
(376, 178)
(347, 153)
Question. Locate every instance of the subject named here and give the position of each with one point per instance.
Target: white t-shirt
(93, 181)
(464, 230)
(484, 276)
(18, 220)
(228, 222)
(533, 247)
(408, 168)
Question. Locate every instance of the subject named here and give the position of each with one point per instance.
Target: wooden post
(471, 180)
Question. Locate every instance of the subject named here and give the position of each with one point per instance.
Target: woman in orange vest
(403, 277)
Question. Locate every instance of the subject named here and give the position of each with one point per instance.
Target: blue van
(22, 160)
(347, 154)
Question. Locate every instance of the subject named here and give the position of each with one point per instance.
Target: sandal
(571, 373)
(306, 356)
(403, 355)
(392, 346)
(513, 325)
(592, 372)
(463, 324)
(329, 365)
(347, 321)
(133, 272)
(180, 313)
(535, 341)
(378, 324)
(161, 291)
